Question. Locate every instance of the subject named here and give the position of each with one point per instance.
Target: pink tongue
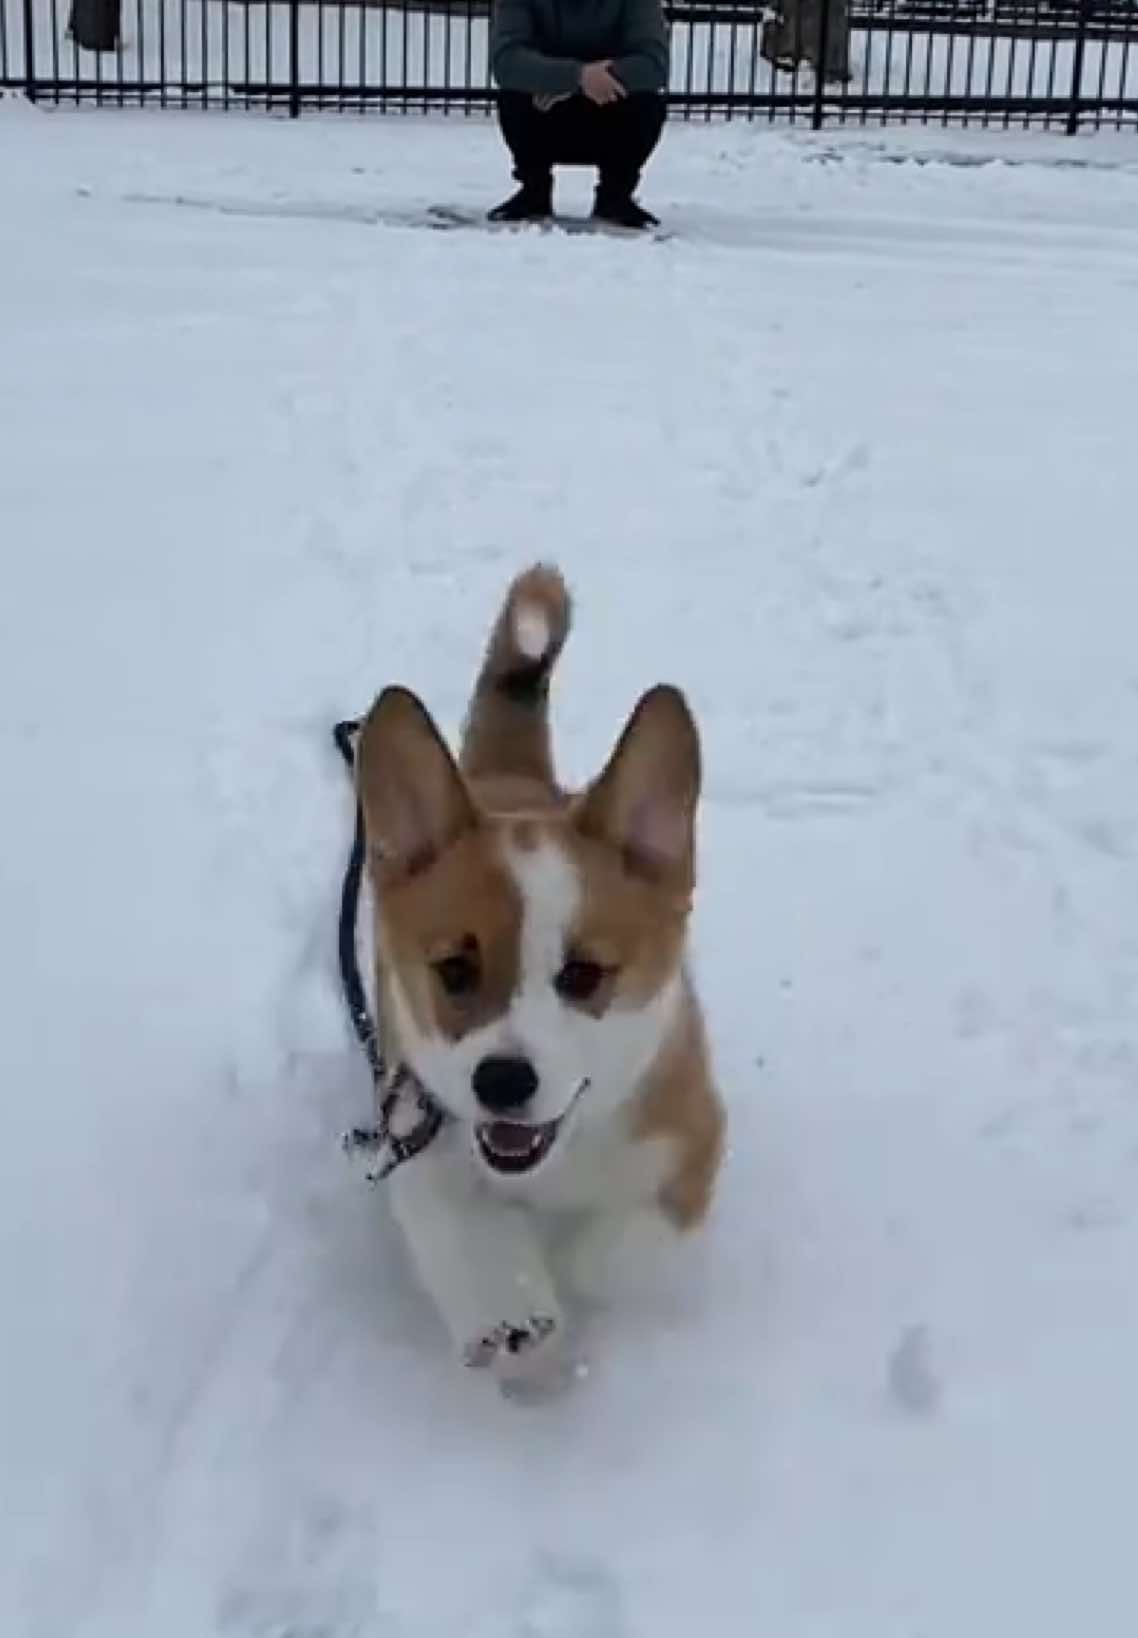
(509, 1137)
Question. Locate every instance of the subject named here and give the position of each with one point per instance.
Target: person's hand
(600, 84)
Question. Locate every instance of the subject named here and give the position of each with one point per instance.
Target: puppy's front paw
(524, 1357)
(508, 1341)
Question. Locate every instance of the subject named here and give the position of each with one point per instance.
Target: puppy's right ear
(415, 802)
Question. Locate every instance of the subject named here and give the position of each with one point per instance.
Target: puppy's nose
(501, 1084)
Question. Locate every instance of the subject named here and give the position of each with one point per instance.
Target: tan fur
(415, 802)
(679, 1102)
(502, 737)
(625, 922)
(468, 895)
(437, 839)
(658, 747)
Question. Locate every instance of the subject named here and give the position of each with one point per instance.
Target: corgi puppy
(531, 973)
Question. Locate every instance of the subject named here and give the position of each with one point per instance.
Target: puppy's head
(530, 963)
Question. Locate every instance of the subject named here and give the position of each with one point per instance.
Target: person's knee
(641, 117)
(647, 108)
(514, 107)
(637, 125)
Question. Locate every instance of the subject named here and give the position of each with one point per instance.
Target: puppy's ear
(644, 802)
(415, 801)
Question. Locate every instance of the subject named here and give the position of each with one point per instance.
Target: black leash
(354, 993)
(407, 1117)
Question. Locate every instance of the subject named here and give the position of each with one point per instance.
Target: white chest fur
(597, 1166)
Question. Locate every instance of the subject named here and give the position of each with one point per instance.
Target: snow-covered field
(853, 459)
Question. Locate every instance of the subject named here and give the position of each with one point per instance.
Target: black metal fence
(1058, 64)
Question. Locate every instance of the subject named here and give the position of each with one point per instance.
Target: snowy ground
(852, 458)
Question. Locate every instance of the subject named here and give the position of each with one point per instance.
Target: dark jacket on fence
(540, 46)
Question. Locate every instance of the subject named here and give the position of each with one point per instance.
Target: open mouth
(515, 1146)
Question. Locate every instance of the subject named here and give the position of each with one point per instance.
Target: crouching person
(581, 82)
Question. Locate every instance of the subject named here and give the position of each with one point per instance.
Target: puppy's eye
(579, 980)
(458, 974)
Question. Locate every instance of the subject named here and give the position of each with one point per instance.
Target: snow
(851, 458)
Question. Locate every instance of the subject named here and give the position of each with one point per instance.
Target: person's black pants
(617, 139)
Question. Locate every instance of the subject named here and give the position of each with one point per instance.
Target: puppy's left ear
(644, 802)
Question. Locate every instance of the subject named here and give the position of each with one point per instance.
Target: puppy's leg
(482, 1263)
(616, 1256)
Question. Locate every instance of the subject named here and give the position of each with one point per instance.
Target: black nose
(501, 1084)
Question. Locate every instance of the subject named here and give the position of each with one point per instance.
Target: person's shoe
(533, 202)
(621, 210)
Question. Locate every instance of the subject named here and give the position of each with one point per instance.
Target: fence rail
(1057, 64)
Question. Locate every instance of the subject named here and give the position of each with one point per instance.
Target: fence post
(294, 58)
(1077, 69)
(29, 52)
(820, 67)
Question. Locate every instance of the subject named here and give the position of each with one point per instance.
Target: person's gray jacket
(540, 46)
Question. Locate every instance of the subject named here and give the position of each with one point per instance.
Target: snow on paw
(521, 1356)
(508, 1340)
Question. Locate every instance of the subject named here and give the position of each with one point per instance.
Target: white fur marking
(531, 630)
(551, 897)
